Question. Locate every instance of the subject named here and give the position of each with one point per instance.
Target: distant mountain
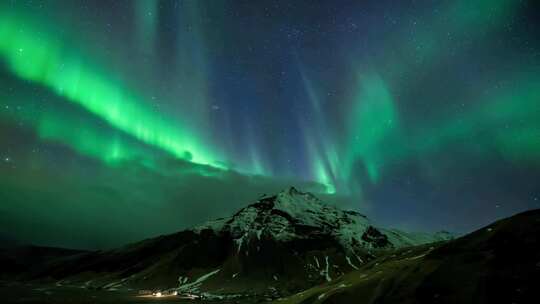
(25, 259)
(274, 247)
(7, 242)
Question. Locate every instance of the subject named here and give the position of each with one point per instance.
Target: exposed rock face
(294, 215)
(375, 237)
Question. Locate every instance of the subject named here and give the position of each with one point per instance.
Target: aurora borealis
(424, 115)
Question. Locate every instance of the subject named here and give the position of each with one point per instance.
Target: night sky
(121, 120)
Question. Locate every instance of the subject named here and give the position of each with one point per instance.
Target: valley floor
(44, 294)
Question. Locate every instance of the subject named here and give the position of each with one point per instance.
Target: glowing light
(373, 119)
(44, 59)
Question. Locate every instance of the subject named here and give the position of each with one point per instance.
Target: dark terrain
(497, 264)
(270, 251)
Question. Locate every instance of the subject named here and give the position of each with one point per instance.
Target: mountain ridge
(288, 241)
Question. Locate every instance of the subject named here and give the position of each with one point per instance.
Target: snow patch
(350, 263)
(317, 262)
(359, 259)
(196, 284)
(418, 257)
(326, 271)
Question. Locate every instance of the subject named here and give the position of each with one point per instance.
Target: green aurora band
(47, 61)
(374, 135)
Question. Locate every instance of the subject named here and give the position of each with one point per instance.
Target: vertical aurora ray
(45, 60)
(375, 137)
(321, 170)
(147, 15)
(373, 119)
(370, 123)
(254, 163)
(324, 159)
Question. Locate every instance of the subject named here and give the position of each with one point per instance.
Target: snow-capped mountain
(293, 215)
(292, 248)
(280, 244)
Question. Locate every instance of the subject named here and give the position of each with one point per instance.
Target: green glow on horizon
(46, 60)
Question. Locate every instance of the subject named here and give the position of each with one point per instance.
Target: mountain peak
(299, 204)
(292, 191)
(295, 215)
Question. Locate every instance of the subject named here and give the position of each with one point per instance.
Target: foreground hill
(497, 264)
(277, 246)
